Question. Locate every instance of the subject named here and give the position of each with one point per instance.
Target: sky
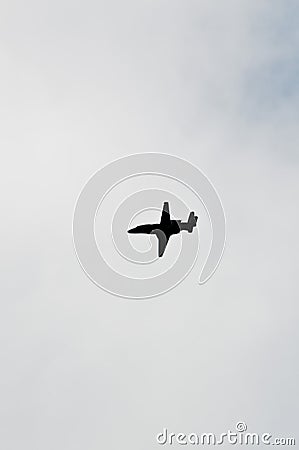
(84, 83)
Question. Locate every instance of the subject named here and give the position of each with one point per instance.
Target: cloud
(84, 83)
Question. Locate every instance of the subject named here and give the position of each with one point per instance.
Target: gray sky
(83, 83)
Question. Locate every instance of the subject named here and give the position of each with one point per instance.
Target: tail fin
(192, 220)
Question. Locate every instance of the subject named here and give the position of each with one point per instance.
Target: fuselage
(168, 230)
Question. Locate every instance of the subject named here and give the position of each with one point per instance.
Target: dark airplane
(166, 227)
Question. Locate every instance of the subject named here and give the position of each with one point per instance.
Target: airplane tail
(192, 220)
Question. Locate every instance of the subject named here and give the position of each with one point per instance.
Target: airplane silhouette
(166, 227)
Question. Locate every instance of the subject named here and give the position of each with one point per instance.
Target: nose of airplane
(132, 230)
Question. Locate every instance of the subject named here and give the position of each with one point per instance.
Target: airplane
(166, 227)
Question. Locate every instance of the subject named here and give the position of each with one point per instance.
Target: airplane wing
(165, 217)
(162, 241)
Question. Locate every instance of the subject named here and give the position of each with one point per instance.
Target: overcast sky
(83, 83)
